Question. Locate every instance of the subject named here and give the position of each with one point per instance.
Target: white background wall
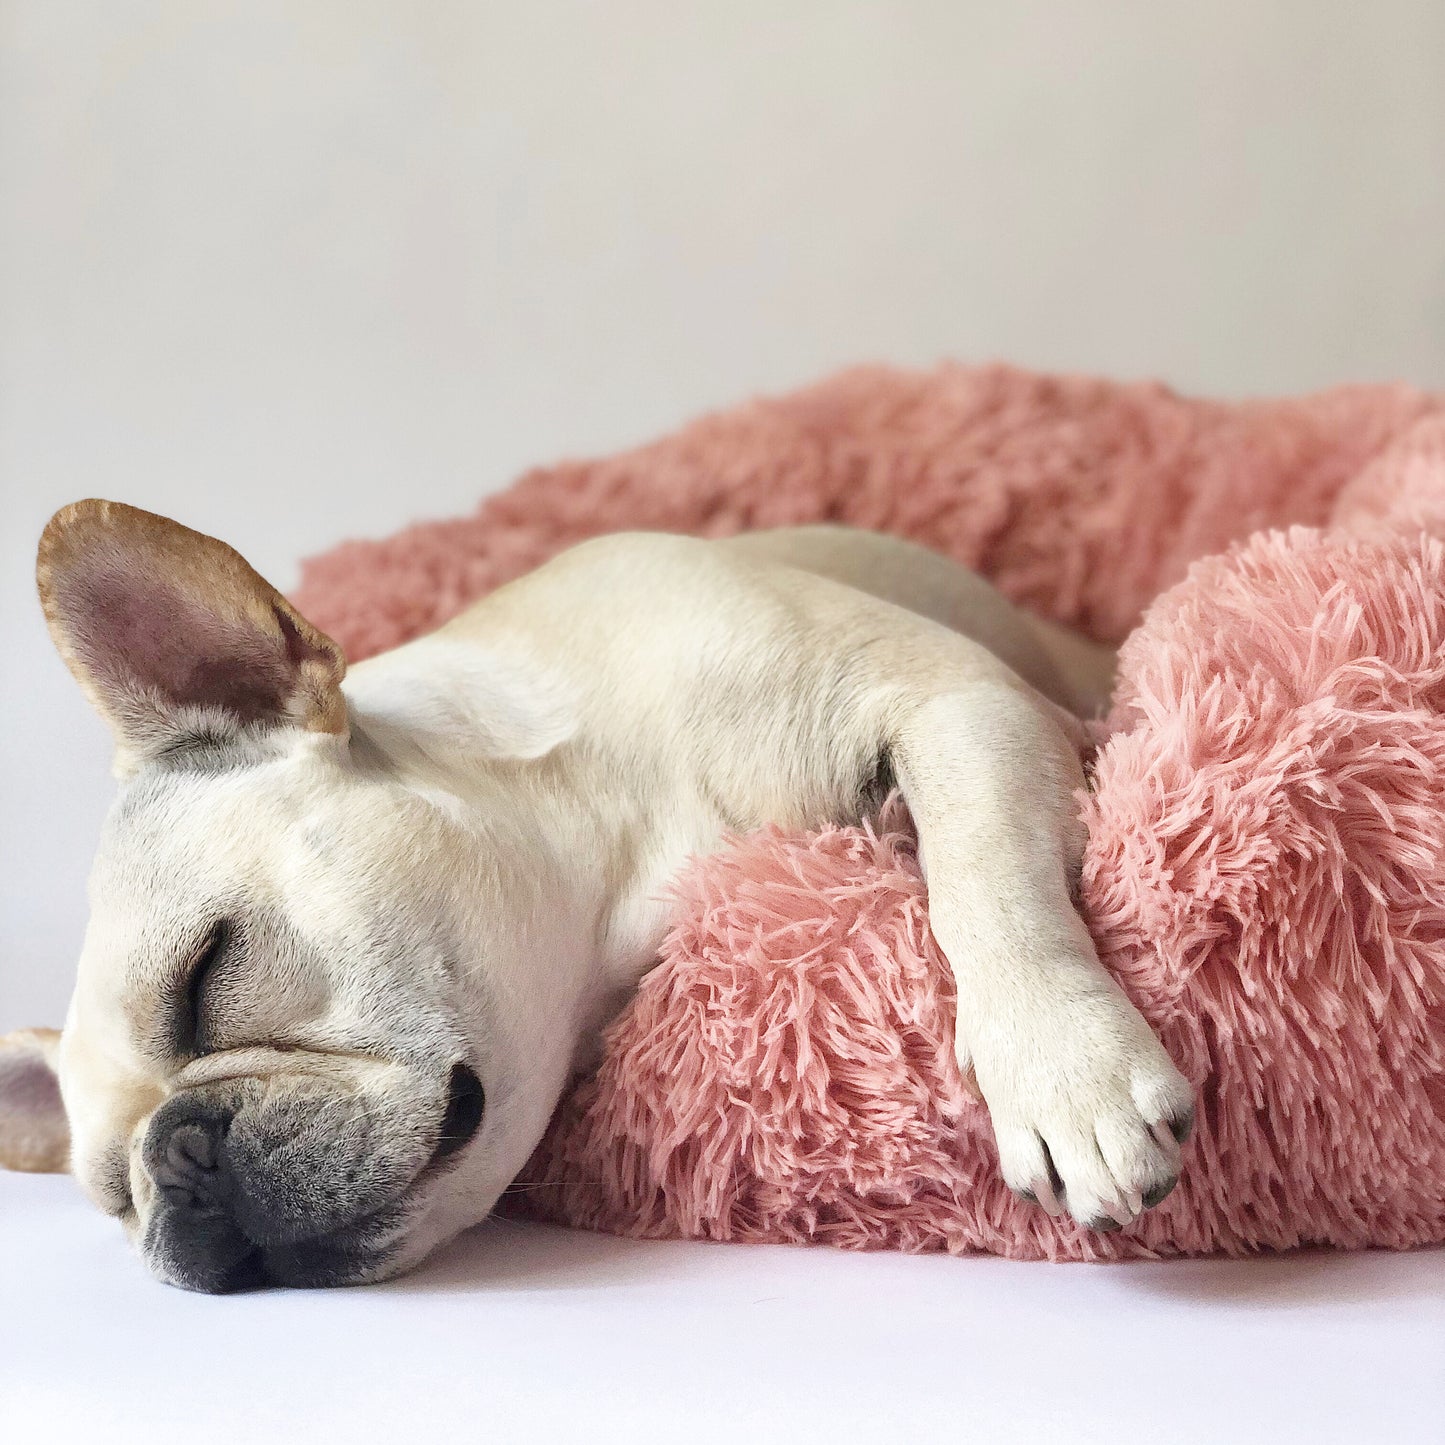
(294, 270)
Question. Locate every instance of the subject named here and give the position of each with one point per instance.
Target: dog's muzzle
(303, 1195)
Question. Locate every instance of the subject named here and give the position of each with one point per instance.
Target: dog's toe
(1028, 1168)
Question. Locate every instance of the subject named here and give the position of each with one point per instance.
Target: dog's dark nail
(1104, 1225)
(1054, 1177)
(1160, 1192)
(1027, 1195)
(1182, 1125)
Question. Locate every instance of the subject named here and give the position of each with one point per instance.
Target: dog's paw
(1088, 1111)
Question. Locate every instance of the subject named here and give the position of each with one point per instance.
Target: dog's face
(299, 1049)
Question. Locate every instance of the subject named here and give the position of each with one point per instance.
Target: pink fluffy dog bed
(1266, 866)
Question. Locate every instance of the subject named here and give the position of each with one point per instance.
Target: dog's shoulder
(627, 588)
(630, 564)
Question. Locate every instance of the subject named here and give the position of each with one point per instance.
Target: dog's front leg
(1087, 1108)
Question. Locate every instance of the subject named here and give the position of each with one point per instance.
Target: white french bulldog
(350, 940)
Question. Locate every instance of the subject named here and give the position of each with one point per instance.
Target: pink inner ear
(139, 635)
(28, 1086)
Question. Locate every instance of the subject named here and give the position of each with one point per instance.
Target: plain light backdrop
(292, 271)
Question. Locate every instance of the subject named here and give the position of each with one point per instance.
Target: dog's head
(302, 1047)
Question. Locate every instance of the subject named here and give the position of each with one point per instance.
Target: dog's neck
(494, 746)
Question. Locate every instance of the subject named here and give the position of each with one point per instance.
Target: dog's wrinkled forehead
(191, 840)
(204, 821)
(258, 902)
(318, 874)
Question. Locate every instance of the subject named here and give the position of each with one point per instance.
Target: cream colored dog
(350, 940)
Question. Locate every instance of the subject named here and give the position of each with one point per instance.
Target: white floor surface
(528, 1333)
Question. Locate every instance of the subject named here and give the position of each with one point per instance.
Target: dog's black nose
(194, 1231)
(255, 1186)
(184, 1156)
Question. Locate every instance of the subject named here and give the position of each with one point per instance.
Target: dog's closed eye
(193, 1033)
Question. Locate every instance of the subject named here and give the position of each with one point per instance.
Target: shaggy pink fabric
(1266, 866)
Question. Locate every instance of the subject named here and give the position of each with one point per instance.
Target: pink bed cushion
(1266, 867)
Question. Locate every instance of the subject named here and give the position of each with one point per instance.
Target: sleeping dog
(352, 934)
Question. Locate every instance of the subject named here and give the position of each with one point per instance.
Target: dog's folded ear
(33, 1133)
(172, 633)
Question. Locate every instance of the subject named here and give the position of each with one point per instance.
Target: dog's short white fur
(328, 914)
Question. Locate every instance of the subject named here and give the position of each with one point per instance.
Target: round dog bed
(1266, 866)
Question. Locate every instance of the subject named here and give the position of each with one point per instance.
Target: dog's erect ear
(33, 1133)
(171, 632)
